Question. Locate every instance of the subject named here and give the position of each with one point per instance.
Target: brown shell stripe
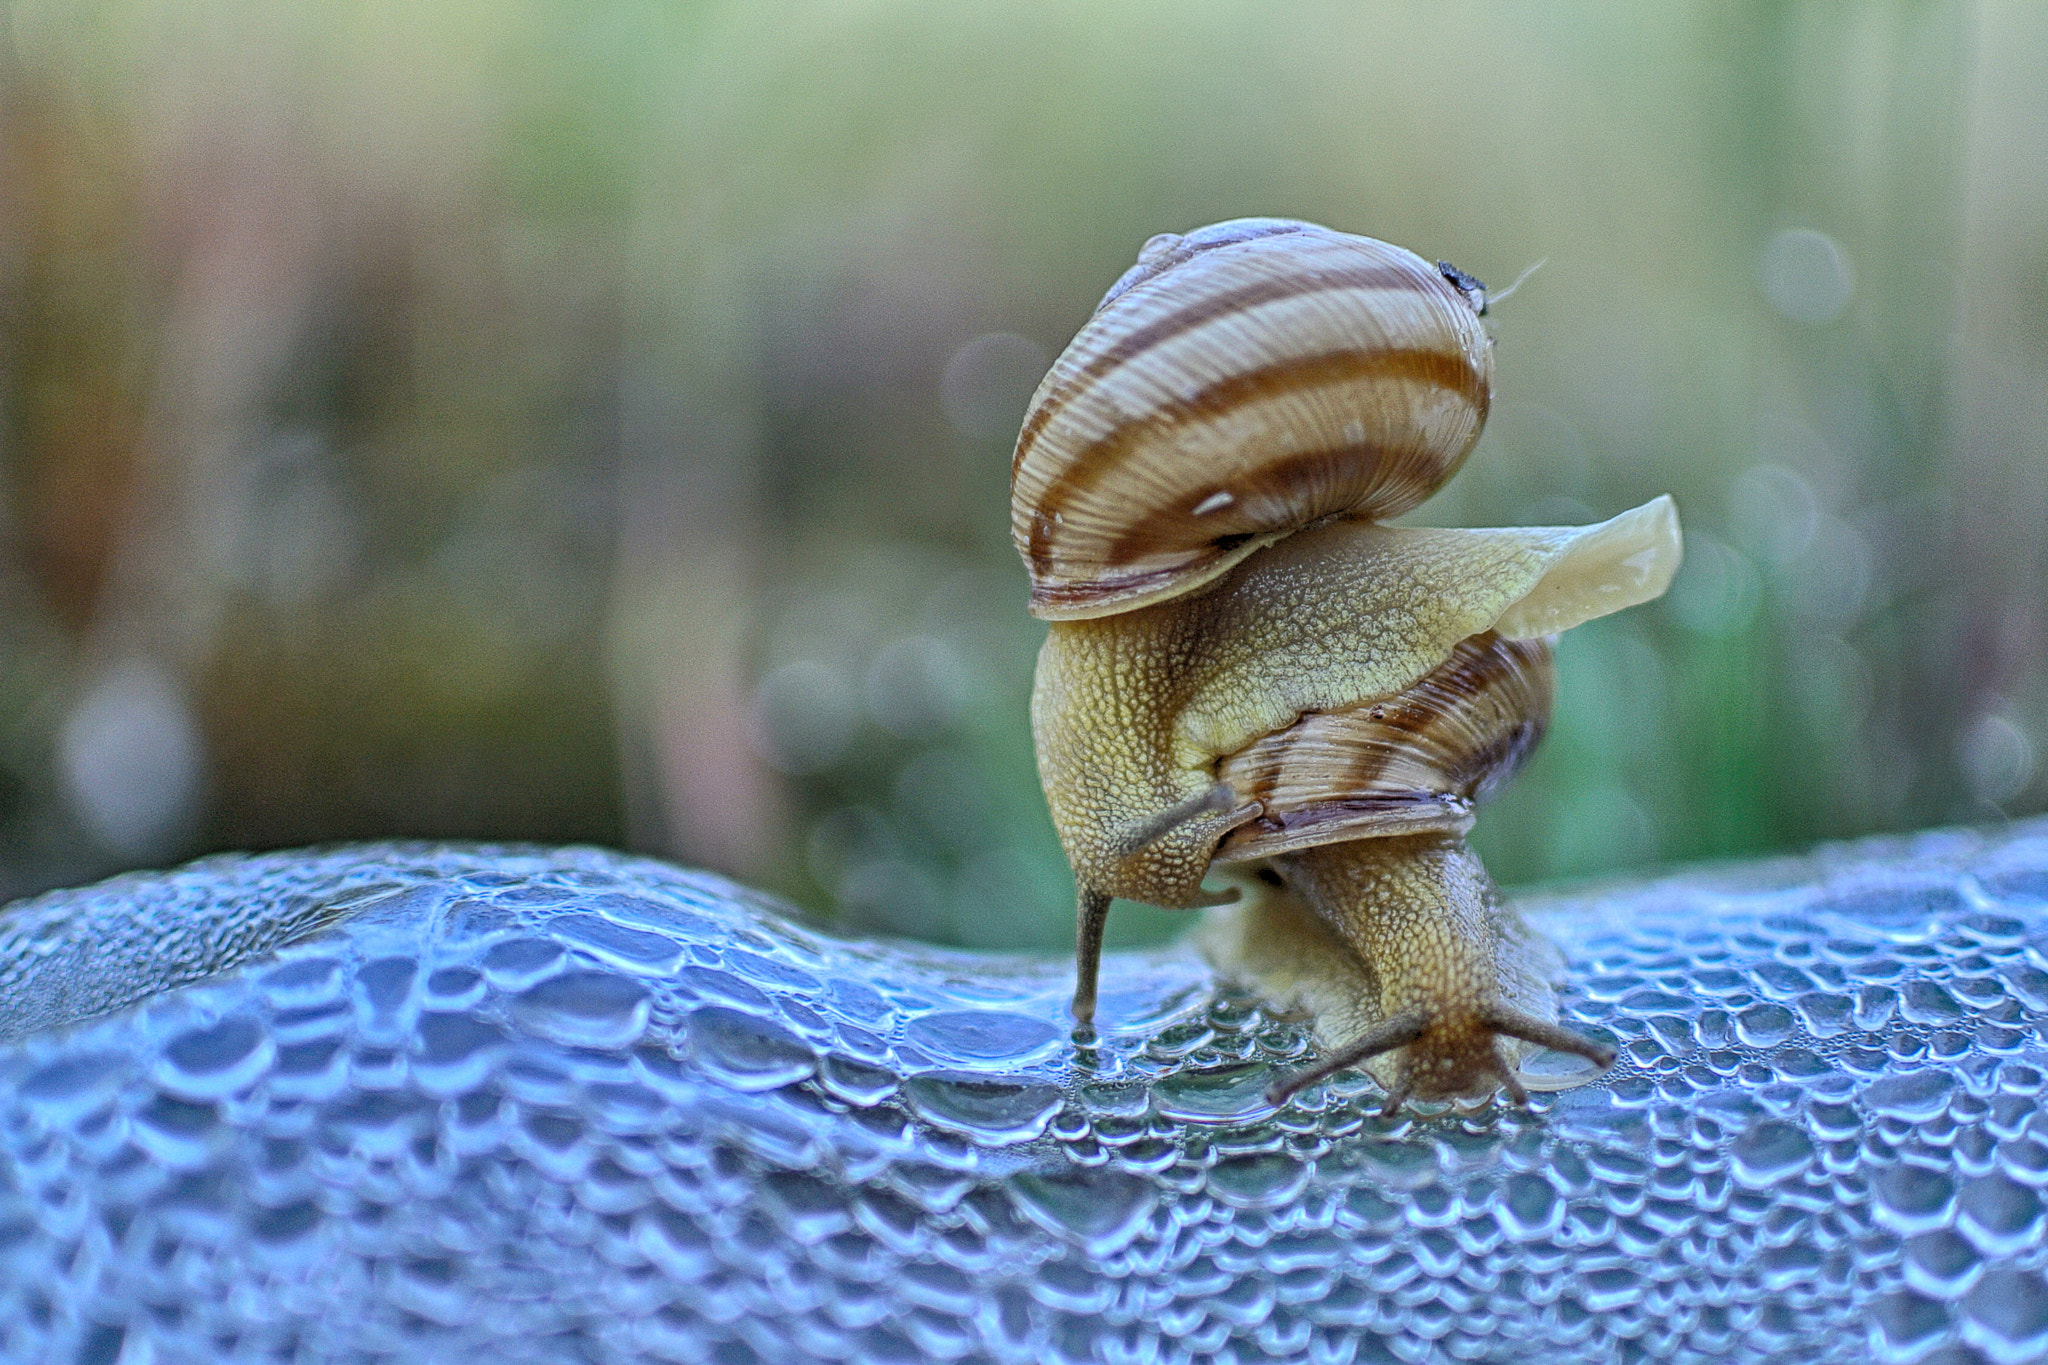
(1321, 279)
(1454, 697)
(1442, 369)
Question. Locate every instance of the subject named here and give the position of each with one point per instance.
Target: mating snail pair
(1247, 668)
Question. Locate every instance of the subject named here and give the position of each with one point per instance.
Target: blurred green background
(589, 421)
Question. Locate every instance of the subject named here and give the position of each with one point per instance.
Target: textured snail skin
(1132, 713)
(1436, 942)
(1169, 708)
(560, 1105)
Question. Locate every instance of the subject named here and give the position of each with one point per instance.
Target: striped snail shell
(1418, 762)
(1241, 382)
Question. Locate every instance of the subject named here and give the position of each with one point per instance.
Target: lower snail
(1247, 669)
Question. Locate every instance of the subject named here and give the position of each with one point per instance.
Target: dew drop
(632, 950)
(2011, 1306)
(1911, 1095)
(981, 1035)
(212, 1062)
(1914, 1198)
(1213, 1093)
(983, 1108)
(1770, 1152)
(747, 1052)
(584, 1009)
(1099, 1210)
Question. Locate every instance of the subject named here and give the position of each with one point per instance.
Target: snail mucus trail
(1247, 668)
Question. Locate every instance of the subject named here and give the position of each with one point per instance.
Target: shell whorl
(1413, 763)
(1241, 382)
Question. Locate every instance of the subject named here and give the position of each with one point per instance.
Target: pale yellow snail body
(1246, 667)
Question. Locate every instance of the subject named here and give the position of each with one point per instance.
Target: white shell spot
(1215, 502)
(1157, 246)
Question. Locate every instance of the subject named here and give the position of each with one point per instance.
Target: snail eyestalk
(1502, 296)
(1214, 801)
(1545, 1034)
(1384, 1036)
(1092, 916)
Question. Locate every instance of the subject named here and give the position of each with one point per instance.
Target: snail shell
(1240, 383)
(1416, 763)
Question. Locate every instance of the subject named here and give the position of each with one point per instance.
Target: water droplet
(857, 1082)
(1251, 1182)
(1764, 1025)
(1906, 1323)
(208, 1063)
(309, 981)
(2010, 1305)
(584, 1009)
(1209, 1094)
(384, 988)
(1546, 1069)
(1911, 1095)
(73, 1086)
(1099, 1210)
(454, 1051)
(746, 1052)
(983, 1108)
(520, 962)
(1529, 1206)
(2000, 1215)
(808, 1208)
(1770, 1152)
(981, 1035)
(632, 950)
(1913, 1198)
(177, 1132)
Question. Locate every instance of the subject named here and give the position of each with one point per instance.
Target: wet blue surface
(441, 1103)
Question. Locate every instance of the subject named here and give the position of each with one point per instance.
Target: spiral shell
(1241, 382)
(1413, 763)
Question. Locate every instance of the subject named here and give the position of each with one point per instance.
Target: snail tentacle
(1545, 1034)
(1511, 1083)
(1214, 801)
(1387, 1035)
(1094, 914)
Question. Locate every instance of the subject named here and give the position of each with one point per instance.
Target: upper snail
(1245, 667)
(1241, 382)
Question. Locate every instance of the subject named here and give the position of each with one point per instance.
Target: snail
(1246, 668)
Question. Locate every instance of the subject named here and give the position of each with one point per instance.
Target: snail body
(1133, 713)
(1306, 694)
